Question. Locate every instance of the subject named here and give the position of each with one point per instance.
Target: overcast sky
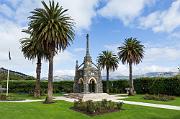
(156, 23)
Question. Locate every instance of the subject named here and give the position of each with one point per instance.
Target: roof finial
(87, 45)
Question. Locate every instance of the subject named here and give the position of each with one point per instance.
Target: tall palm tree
(32, 51)
(54, 29)
(109, 61)
(131, 52)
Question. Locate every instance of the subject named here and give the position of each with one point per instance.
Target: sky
(156, 23)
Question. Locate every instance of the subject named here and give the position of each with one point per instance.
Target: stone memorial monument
(87, 75)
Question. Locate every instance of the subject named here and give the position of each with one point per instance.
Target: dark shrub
(98, 107)
(90, 106)
(3, 97)
(119, 105)
(158, 85)
(158, 97)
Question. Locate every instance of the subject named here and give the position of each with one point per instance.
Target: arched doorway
(81, 85)
(92, 85)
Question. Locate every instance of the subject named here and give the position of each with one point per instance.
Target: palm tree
(54, 30)
(32, 51)
(109, 61)
(131, 52)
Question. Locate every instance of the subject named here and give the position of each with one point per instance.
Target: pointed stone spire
(87, 58)
(87, 45)
(77, 64)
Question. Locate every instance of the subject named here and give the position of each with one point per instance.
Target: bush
(98, 107)
(25, 86)
(2, 97)
(158, 97)
(116, 86)
(158, 85)
(119, 105)
(166, 86)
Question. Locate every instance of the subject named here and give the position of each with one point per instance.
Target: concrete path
(152, 105)
(24, 101)
(115, 99)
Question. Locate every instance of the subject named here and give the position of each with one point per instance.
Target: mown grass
(24, 96)
(139, 98)
(61, 110)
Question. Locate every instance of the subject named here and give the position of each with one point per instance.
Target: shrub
(158, 85)
(90, 106)
(98, 107)
(116, 86)
(3, 97)
(119, 105)
(27, 86)
(158, 97)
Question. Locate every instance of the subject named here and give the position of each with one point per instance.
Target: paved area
(114, 98)
(152, 105)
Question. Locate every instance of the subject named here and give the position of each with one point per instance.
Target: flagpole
(7, 86)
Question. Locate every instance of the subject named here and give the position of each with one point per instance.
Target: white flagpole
(7, 87)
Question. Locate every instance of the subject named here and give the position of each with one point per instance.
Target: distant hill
(14, 75)
(60, 78)
(120, 77)
(161, 74)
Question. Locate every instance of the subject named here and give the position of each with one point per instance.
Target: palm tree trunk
(38, 77)
(107, 82)
(131, 90)
(49, 98)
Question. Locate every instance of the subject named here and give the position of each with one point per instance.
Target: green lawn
(61, 110)
(139, 98)
(16, 96)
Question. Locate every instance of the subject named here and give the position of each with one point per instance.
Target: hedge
(116, 86)
(168, 86)
(25, 86)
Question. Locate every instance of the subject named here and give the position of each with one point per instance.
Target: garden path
(114, 98)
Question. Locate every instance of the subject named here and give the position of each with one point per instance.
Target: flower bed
(159, 97)
(96, 108)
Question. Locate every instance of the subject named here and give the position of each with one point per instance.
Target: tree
(109, 61)
(31, 51)
(131, 52)
(54, 30)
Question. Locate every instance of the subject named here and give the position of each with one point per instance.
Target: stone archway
(81, 85)
(92, 85)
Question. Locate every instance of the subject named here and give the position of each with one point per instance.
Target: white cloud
(152, 60)
(140, 69)
(154, 68)
(64, 72)
(64, 57)
(10, 32)
(5, 10)
(79, 49)
(81, 11)
(125, 10)
(163, 53)
(14, 3)
(163, 21)
(112, 47)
